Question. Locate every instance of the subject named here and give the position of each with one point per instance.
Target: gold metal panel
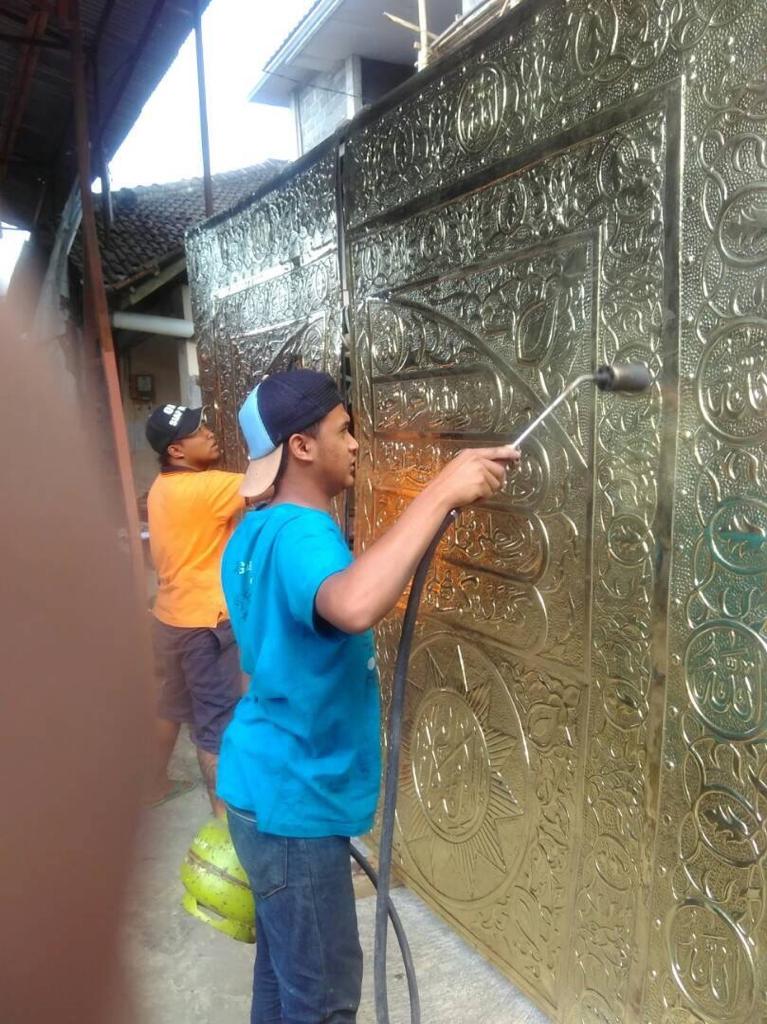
(584, 780)
(266, 291)
(474, 351)
(583, 784)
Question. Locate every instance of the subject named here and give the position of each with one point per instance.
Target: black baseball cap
(169, 423)
(281, 405)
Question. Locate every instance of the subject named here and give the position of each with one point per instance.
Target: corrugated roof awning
(130, 43)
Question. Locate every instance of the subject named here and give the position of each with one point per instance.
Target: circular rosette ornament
(464, 809)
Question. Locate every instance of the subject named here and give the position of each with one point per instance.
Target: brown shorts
(201, 680)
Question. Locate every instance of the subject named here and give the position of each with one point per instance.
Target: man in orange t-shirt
(191, 509)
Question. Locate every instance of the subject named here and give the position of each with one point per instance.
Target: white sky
(10, 249)
(239, 36)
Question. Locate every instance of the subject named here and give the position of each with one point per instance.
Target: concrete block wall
(322, 106)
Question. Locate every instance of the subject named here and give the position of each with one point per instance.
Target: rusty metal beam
(30, 40)
(20, 16)
(98, 307)
(207, 183)
(102, 123)
(19, 94)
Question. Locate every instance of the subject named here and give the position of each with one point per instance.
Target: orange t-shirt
(190, 520)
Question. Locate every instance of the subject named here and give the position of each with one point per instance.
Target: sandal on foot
(177, 788)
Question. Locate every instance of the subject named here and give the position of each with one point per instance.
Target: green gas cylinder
(216, 887)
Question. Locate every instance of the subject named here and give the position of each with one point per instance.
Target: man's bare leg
(166, 734)
(209, 767)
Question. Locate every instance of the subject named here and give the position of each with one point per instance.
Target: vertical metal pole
(96, 294)
(204, 138)
(423, 49)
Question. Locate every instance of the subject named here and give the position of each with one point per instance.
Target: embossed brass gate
(584, 786)
(266, 291)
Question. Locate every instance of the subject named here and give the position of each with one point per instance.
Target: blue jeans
(308, 955)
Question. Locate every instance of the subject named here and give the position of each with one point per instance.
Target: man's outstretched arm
(360, 596)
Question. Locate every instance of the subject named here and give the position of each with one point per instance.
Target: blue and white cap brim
(261, 474)
(264, 456)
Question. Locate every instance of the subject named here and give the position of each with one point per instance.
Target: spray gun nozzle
(615, 377)
(622, 377)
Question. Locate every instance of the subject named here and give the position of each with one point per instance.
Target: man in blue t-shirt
(300, 766)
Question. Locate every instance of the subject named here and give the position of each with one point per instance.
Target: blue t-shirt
(302, 751)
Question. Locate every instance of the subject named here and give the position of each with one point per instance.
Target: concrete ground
(185, 972)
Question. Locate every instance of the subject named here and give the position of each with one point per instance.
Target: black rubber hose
(399, 931)
(394, 738)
